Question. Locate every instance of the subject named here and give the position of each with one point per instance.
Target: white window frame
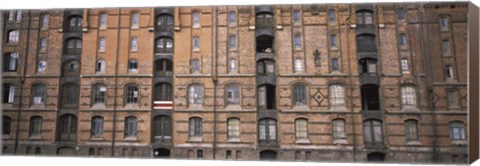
(337, 95)
(135, 20)
(409, 96)
(196, 43)
(102, 42)
(134, 44)
(298, 65)
(405, 65)
(41, 66)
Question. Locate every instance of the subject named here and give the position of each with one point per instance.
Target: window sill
(338, 109)
(410, 109)
(454, 108)
(38, 106)
(130, 138)
(132, 71)
(99, 139)
(413, 143)
(233, 107)
(196, 50)
(298, 50)
(98, 106)
(302, 141)
(195, 107)
(233, 50)
(334, 48)
(12, 43)
(7, 105)
(131, 106)
(234, 140)
(300, 108)
(195, 139)
(340, 141)
(133, 51)
(459, 142)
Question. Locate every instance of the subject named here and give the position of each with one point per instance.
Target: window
(101, 44)
(335, 66)
(411, 133)
(233, 125)
(11, 15)
(300, 94)
(368, 66)
(267, 130)
(164, 45)
(298, 65)
(409, 97)
(339, 129)
(195, 127)
(228, 154)
(134, 44)
(195, 95)
(238, 154)
(103, 21)
(265, 67)
(97, 126)
(38, 93)
(163, 68)
(38, 150)
(372, 131)
(74, 24)
(402, 40)
(232, 18)
(91, 152)
(196, 19)
(44, 22)
(43, 45)
(337, 95)
(130, 127)
(135, 20)
(364, 17)
(13, 36)
(266, 96)
(297, 42)
(195, 65)
(7, 123)
(448, 72)
(404, 65)
(366, 43)
(400, 13)
(164, 22)
(443, 23)
(200, 154)
(232, 42)
(301, 128)
(332, 18)
(163, 92)
(98, 94)
(8, 93)
(132, 66)
(370, 97)
(457, 131)
(196, 43)
(131, 94)
(70, 94)
(10, 61)
(71, 68)
(333, 41)
(162, 128)
(100, 67)
(446, 48)
(67, 127)
(35, 126)
(232, 94)
(74, 46)
(264, 21)
(452, 99)
(296, 17)
(19, 15)
(232, 66)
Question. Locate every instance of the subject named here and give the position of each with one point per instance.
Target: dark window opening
(161, 153)
(375, 157)
(267, 130)
(370, 97)
(265, 43)
(368, 66)
(364, 17)
(7, 122)
(73, 46)
(164, 45)
(268, 155)
(130, 128)
(264, 21)
(372, 132)
(195, 127)
(266, 97)
(164, 22)
(74, 24)
(228, 154)
(71, 69)
(163, 92)
(163, 68)
(10, 61)
(67, 128)
(35, 126)
(162, 128)
(70, 95)
(97, 127)
(366, 43)
(199, 154)
(8, 93)
(266, 67)
(132, 66)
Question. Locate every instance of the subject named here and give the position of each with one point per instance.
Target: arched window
(232, 18)
(233, 127)
(297, 42)
(411, 133)
(196, 19)
(264, 21)
(132, 65)
(448, 72)
(6, 125)
(301, 128)
(232, 94)
(163, 68)
(267, 130)
(73, 46)
(96, 127)
(10, 61)
(44, 21)
(74, 24)
(13, 36)
(35, 126)
(131, 94)
(70, 94)
(163, 92)
(298, 65)
(372, 132)
(102, 44)
(8, 93)
(67, 128)
(98, 94)
(332, 18)
(195, 94)
(38, 93)
(364, 17)
(296, 17)
(130, 128)
(402, 40)
(300, 92)
(232, 42)
(164, 22)
(71, 69)
(409, 96)
(195, 127)
(134, 21)
(43, 45)
(100, 66)
(196, 43)
(162, 128)
(103, 21)
(339, 129)
(133, 44)
(337, 95)
(164, 45)
(457, 130)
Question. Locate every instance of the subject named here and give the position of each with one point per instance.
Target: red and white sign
(162, 105)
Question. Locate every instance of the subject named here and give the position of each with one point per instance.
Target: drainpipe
(351, 87)
(1, 80)
(22, 82)
(116, 83)
(214, 78)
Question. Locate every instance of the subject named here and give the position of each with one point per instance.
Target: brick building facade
(336, 82)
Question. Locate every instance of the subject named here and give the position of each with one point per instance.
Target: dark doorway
(161, 153)
(370, 97)
(65, 151)
(265, 43)
(268, 155)
(376, 157)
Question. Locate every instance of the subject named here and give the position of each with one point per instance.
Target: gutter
(116, 83)
(352, 113)
(214, 78)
